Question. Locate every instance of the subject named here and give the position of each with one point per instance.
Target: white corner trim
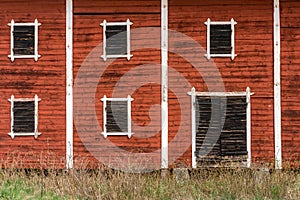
(164, 85)
(277, 88)
(69, 84)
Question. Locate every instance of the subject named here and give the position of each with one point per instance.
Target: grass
(109, 184)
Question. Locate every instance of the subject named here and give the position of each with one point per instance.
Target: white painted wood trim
(104, 99)
(129, 99)
(104, 24)
(36, 100)
(208, 55)
(248, 118)
(36, 25)
(69, 82)
(12, 44)
(36, 115)
(12, 98)
(232, 23)
(36, 39)
(193, 112)
(128, 23)
(220, 94)
(129, 132)
(246, 94)
(164, 85)
(104, 56)
(277, 87)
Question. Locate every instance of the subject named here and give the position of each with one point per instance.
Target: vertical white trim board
(277, 88)
(69, 84)
(164, 84)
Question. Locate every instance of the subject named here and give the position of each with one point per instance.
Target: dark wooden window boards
(117, 116)
(231, 145)
(116, 40)
(24, 40)
(24, 120)
(220, 39)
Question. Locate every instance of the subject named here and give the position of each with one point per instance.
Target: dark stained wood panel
(220, 39)
(224, 132)
(23, 40)
(117, 120)
(24, 121)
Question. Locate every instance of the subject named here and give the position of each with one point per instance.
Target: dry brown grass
(109, 184)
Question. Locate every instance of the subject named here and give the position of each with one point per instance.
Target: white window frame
(12, 24)
(36, 104)
(232, 23)
(128, 100)
(246, 94)
(104, 24)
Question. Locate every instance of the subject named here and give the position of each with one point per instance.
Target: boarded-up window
(24, 116)
(227, 135)
(116, 113)
(220, 39)
(116, 39)
(24, 40)
(117, 116)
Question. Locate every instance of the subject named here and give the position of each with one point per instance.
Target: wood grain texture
(24, 78)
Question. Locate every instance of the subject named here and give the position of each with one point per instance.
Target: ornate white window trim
(35, 133)
(106, 132)
(104, 24)
(208, 23)
(12, 25)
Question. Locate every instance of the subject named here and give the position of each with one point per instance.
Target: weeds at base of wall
(109, 184)
(104, 183)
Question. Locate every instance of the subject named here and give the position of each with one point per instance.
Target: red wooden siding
(116, 6)
(252, 67)
(290, 51)
(24, 78)
(88, 35)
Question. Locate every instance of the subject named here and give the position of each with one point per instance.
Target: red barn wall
(24, 78)
(88, 35)
(253, 66)
(290, 76)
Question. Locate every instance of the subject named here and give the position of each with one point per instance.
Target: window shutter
(23, 40)
(23, 117)
(233, 136)
(116, 112)
(116, 40)
(231, 139)
(220, 39)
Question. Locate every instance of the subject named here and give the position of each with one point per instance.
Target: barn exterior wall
(88, 35)
(290, 31)
(93, 78)
(24, 78)
(253, 66)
